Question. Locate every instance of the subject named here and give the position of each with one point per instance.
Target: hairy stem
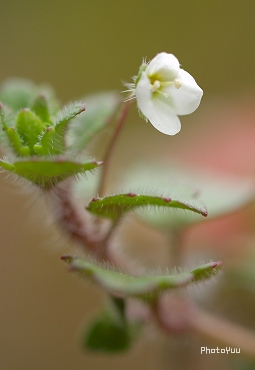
(109, 151)
(79, 225)
(72, 217)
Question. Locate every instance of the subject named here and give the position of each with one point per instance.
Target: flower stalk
(110, 149)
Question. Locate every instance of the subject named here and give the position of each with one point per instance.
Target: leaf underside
(47, 172)
(144, 287)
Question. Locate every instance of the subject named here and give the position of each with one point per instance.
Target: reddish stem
(109, 151)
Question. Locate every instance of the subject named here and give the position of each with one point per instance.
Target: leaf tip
(204, 213)
(67, 258)
(217, 264)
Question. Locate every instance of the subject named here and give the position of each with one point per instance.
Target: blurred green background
(81, 47)
(86, 46)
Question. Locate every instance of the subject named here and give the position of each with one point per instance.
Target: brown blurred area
(81, 47)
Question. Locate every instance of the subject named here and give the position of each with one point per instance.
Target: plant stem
(109, 151)
(176, 247)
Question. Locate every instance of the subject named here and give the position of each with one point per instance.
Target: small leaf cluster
(34, 133)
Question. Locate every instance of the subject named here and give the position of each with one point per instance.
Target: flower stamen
(177, 84)
(155, 86)
(166, 95)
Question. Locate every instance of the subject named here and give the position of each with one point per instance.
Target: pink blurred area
(223, 141)
(222, 145)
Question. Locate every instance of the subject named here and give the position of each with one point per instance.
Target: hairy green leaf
(9, 134)
(192, 187)
(123, 285)
(60, 122)
(46, 172)
(29, 128)
(41, 108)
(46, 144)
(115, 206)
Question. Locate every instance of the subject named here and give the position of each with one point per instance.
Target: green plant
(44, 145)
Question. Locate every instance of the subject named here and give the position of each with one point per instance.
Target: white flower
(164, 91)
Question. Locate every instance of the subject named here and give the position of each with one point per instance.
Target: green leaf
(60, 123)
(17, 93)
(143, 287)
(16, 144)
(100, 109)
(47, 172)
(115, 206)
(9, 134)
(107, 335)
(66, 114)
(52, 141)
(41, 108)
(46, 143)
(29, 128)
(220, 195)
(7, 117)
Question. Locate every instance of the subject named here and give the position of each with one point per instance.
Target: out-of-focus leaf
(107, 335)
(144, 287)
(41, 108)
(220, 196)
(115, 206)
(100, 108)
(46, 172)
(20, 93)
(17, 93)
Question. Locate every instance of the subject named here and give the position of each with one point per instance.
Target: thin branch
(79, 226)
(72, 217)
(109, 151)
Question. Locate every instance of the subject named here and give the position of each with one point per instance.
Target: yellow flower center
(156, 85)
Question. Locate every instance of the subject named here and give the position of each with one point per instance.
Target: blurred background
(81, 47)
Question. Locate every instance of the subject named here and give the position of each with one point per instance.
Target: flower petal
(156, 108)
(164, 67)
(185, 99)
